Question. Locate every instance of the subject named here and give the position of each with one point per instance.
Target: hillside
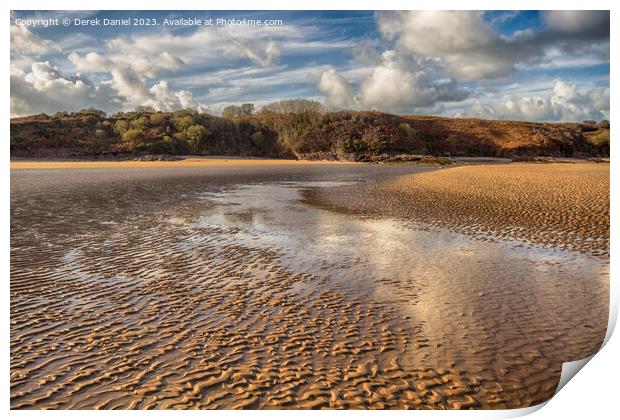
(310, 134)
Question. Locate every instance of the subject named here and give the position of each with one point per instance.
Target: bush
(195, 136)
(133, 135)
(141, 122)
(183, 123)
(600, 137)
(257, 138)
(157, 120)
(121, 126)
(409, 131)
(234, 111)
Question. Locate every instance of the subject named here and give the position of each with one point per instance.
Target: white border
(593, 394)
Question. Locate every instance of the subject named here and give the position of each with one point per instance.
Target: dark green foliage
(297, 128)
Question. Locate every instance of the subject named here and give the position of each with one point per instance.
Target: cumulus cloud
(400, 84)
(163, 98)
(563, 102)
(133, 89)
(470, 49)
(466, 44)
(336, 88)
(47, 89)
(23, 41)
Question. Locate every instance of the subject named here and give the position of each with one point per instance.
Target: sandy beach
(562, 204)
(184, 162)
(283, 284)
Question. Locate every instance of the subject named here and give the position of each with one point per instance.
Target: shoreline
(184, 162)
(211, 161)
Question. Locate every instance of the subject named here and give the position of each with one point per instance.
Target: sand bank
(561, 204)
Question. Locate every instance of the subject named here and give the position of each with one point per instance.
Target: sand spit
(561, 205)
(223, 289)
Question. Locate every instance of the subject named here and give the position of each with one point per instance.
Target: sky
(539, 66)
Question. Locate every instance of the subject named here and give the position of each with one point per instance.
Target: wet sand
(562, 205)
(222, 287)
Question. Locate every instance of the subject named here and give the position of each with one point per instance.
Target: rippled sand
(224, 288)
(563, 204)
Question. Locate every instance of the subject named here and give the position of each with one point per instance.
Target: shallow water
(232, 291)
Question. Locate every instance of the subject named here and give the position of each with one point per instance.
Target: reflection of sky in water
(273, 215)
(455, 285)
(444, 275)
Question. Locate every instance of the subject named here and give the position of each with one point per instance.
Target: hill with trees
(296, 129)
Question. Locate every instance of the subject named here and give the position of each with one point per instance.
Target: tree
(132, 135)
(92, 112)
(294, 106)
(257, 138)
(142, 109)
(247, 109)
(157, 120)
(183, 123)
(234, 111)
(141, 122)
(121, 126)
(195, 135)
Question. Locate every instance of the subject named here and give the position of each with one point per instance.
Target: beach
(561, 204)
(248, 283)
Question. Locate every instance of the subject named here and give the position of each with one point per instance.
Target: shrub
(183, 123)
(374, 140)
(142, 109)
(133, 135)
(157, 120)
(141, 122)
(195, 136)
(409, 131)
(121, 126)
(257, 138)
(600, 137)
(294, 106)
(234, 111)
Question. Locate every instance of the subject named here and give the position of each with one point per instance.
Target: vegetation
(297, 129)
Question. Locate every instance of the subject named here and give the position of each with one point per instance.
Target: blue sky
(498, 64)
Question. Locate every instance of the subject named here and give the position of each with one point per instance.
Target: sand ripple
(122, 298)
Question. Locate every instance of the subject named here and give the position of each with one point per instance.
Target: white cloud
(133, 89)
(47, 89)
(147, 66)
(265, 55)
(23, 41)
(465, 43)
(336, 88)
(470, 49)
(257, 44)
(563, 102)
(402, 84)
(163, 98)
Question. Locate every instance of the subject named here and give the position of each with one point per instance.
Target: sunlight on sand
(187, 162)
